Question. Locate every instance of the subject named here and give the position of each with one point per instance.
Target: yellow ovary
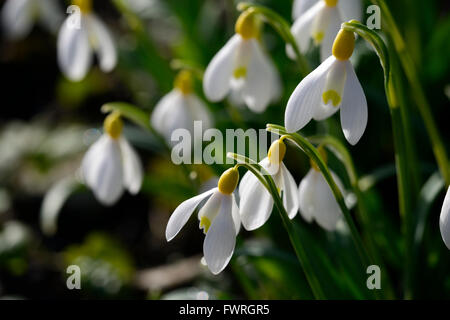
(247, 26)
(113, 125)
(343, 45)
(228, 181)
(276, 152)
(323, 154)
(85, 5)
(331, 3)
(183, 82)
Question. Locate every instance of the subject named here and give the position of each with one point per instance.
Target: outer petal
(199, 111)
(17, 17)
(102, 170)
(74, 51)
(258, 89)
(236, 215)
(132, 167)
(301, 29)
(306, 196)
(164, 108)
(444, 220)
(350, 9)
(103, 43)
(290, 196)
(182, 214)
(216, 81)
(306, 97)
(256, 203)
(354, 108)
(326, 210)
(301, 6)
(334, 25)
(220, 240)
(50, 15)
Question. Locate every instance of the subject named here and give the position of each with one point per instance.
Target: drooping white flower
(19, 16)
(256, 203)
(243, 68)
(321, 20)
(317, 201)
(219, 219)
(444, 219)
(78, 41)
(331, 86)
(180, 108)
(111, 164)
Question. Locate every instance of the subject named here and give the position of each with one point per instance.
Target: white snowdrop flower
(316, 199)
(180, 108)
(243, 68)
(332, 85)
(219, 219)
(321, 20)
(256, 203)
(19, 16)
(77, 43)
(111, 164)
(444, 220)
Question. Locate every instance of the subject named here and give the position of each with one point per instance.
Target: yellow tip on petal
(228, 181)
(318, 37)
(247, 26)
(113, 125)
(276, 152)
(184, 82)
(85, 5)
(343, 45)
(240, 72)
(331, 3)
(333, 96)
(205, 223)
(323, 154)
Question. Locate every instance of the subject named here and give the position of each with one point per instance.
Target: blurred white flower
(321, 20)
(256, 202)
(180, 108)
(111, 164)
(19, 16)
(317, 201)
(332, 85)
(243, 68)
(444, 220)
(77, 43)
(219, 219)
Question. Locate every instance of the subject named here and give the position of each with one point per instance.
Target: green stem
(282, 27)
(314, 155)
(267, 181)
(417, 91)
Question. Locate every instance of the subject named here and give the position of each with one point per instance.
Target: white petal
(335, 81)
(258, 88)
(199, 111)
(326, 210)
(220, 240)
(132, 167)
(103, 43)
(17, 17)
(74, 51)
(182, 214)
(444, 220)
(50, 15)
(290, 196)
(163, 109)
(332, 29)
(256, 203)
(301, 6)
(211, 207)
(350, 9)
(306, 97)
(102, 170)
(236, 215)
(354, 108)
(302, 27)
(306, 197)
(216, 81)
